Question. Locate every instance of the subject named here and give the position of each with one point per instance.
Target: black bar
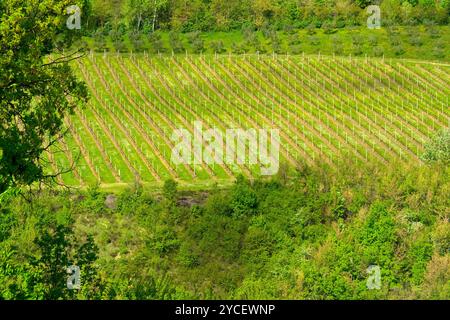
(222, 309)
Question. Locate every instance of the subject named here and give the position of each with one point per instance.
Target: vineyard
(325, 108)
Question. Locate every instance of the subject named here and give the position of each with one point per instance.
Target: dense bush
(438, 149)
(176, 42)
(223, 15)
(310, 234)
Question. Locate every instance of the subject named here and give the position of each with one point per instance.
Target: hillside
(366, 109)
(212, 150)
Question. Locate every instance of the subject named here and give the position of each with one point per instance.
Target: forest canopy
(226, 15)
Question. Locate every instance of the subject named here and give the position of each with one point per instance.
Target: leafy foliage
(37, 89)
(309, 236)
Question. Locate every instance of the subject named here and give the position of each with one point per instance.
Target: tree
(196, 41)
(45, 276)
(217, 46)
(37, 85)
(156, 42)
(170, 191)
(363, 3)
(176, 42)
(106, 11)
(438, 149)
(137, 12)
(244, 199)
(230, 13)
(264, 11)
(158, 5)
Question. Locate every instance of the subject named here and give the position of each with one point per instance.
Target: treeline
(224, 15)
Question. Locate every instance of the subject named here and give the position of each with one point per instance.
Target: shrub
(99, 42)
(289, 29)
(267, 30)
(328, 28)
(120, 46)
(217, 46)
(170, 191)
(441, 238)
(116, 35)
(7, 222)
(197, 43)
(357, 40)
(276, 46)
(438, 52)
(156, 43)
(415, 41)
(357, 49)
(433, 32)
(373, 40)
(438, 148)
(436, 285)
(340, 210)
(176, 42)
(337, 45)
(398, 50)
(311, 29)
(244, 200)
(136, 41)
(164, 240)
(186, 257)
(248, 31)
(314, 40)
(294, 39)
(218, 204)
(420, 254)
(394, 40)
(238, 48)
(377, 51)
(295, 49)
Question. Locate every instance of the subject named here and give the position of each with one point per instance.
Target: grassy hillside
(96, 201)
(325, 108)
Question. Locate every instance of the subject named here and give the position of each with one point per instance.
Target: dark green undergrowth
(311, 235)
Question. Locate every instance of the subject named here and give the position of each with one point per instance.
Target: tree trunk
(139, 21)
(154, 18)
